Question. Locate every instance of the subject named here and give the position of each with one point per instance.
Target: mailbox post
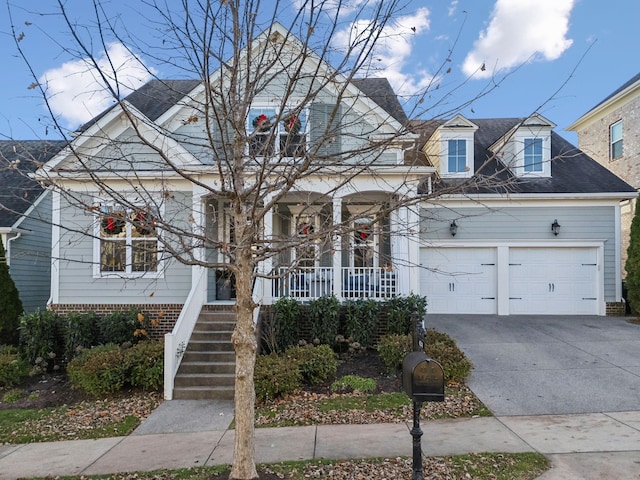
(422, 381)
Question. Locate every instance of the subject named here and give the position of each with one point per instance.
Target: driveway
(535, 365)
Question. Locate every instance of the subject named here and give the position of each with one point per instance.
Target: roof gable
(19, 159)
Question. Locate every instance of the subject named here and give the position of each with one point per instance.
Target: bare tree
(270, 108)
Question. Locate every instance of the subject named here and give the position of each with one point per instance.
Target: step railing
(175, 343)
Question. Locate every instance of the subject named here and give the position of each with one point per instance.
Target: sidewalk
(191, 433)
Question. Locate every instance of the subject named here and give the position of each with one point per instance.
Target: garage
(459, 280)
(560, 281)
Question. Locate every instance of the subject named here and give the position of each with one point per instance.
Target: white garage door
(553, 281)
(459, 280)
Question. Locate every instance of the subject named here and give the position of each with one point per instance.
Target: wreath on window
(292, 125)
(143, 222)
(112, 224)
(261, 122)
(305, 229)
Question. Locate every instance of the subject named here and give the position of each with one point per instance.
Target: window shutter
(326, 136)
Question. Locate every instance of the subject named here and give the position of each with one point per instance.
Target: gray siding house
(495, 216)
(25, 219)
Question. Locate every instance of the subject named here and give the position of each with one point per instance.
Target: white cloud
(393, 49)
(520, 31)
(452, 7)
(77, 92)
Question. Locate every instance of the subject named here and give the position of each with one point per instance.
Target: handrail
(175, 343)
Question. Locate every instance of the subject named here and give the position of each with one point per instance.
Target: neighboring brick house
(610, 134)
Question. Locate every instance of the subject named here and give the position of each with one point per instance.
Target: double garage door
(533, 280)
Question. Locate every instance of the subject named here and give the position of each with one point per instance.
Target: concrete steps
(207, 370)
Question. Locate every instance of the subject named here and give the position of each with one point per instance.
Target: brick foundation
(616, 309)
(166, 314)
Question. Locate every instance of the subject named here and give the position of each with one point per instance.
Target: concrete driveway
(534, 365)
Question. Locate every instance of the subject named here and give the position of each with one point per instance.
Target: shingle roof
(17, 160)
(572, 171)
(379, 90)
(627, 84)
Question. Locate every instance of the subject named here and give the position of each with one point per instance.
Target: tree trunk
(245, 345)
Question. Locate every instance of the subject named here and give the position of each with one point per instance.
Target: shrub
(10, 304)
(144, 364)
(80, 331)
(399, 311)
(129, 326)
(274, 377)
(392, 350)
(40, 339)
(324, 315)
(98, 371)
(354, 383)
(286, 321)
(315, 364)
(445, 351)
(632, 264)
(361, 320)
(12, 368)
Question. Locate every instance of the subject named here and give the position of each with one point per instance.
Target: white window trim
(444, 160)
(97, 239)
(364, 211)
(517, 165)
(279, 128)
(611, 142)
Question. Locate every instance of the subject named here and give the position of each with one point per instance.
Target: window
(128, 240)
(306, 254)
(457, 156)
(364, 242)
(616, 140)
(533, 155)
(264, 129)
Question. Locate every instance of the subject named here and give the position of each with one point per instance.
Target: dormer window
(450, 148)
(533, 155)
(272, 135)
(457, 156)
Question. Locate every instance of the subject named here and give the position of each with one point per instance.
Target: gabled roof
(572, 171)
(18, 159)
(628, 90)
(379, 90)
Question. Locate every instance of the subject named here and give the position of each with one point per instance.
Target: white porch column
(337, 248)
(413, 248)
(400, 248)
(198, 211)
(265, 290)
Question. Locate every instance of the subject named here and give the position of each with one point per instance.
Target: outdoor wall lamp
(453, 228)
(555, 227)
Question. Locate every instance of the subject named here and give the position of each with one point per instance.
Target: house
(610, 134)
(25, 219)
(497, 216)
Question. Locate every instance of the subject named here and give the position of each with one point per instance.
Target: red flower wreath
(292, 125)
(143, 223)
(261, 122)
(112, 225)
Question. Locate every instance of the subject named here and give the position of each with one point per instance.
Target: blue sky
(557, 57)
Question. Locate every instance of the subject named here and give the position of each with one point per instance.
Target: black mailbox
(422, 378)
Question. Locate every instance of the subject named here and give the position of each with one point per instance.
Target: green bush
(315, 364)
(361, 320)
(399, 311)
(98, 371)
(10, 304)
(274, 377)
(324, 315)
(12, 368)
(632, 264)
(445, 351)
(80, 331)
(392, 350)
(439, 346)
(286, 321)
(128, 326)
(40, 339)
(144, 364)
(354, 383)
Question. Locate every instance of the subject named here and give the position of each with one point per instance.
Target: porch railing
(355, 282)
